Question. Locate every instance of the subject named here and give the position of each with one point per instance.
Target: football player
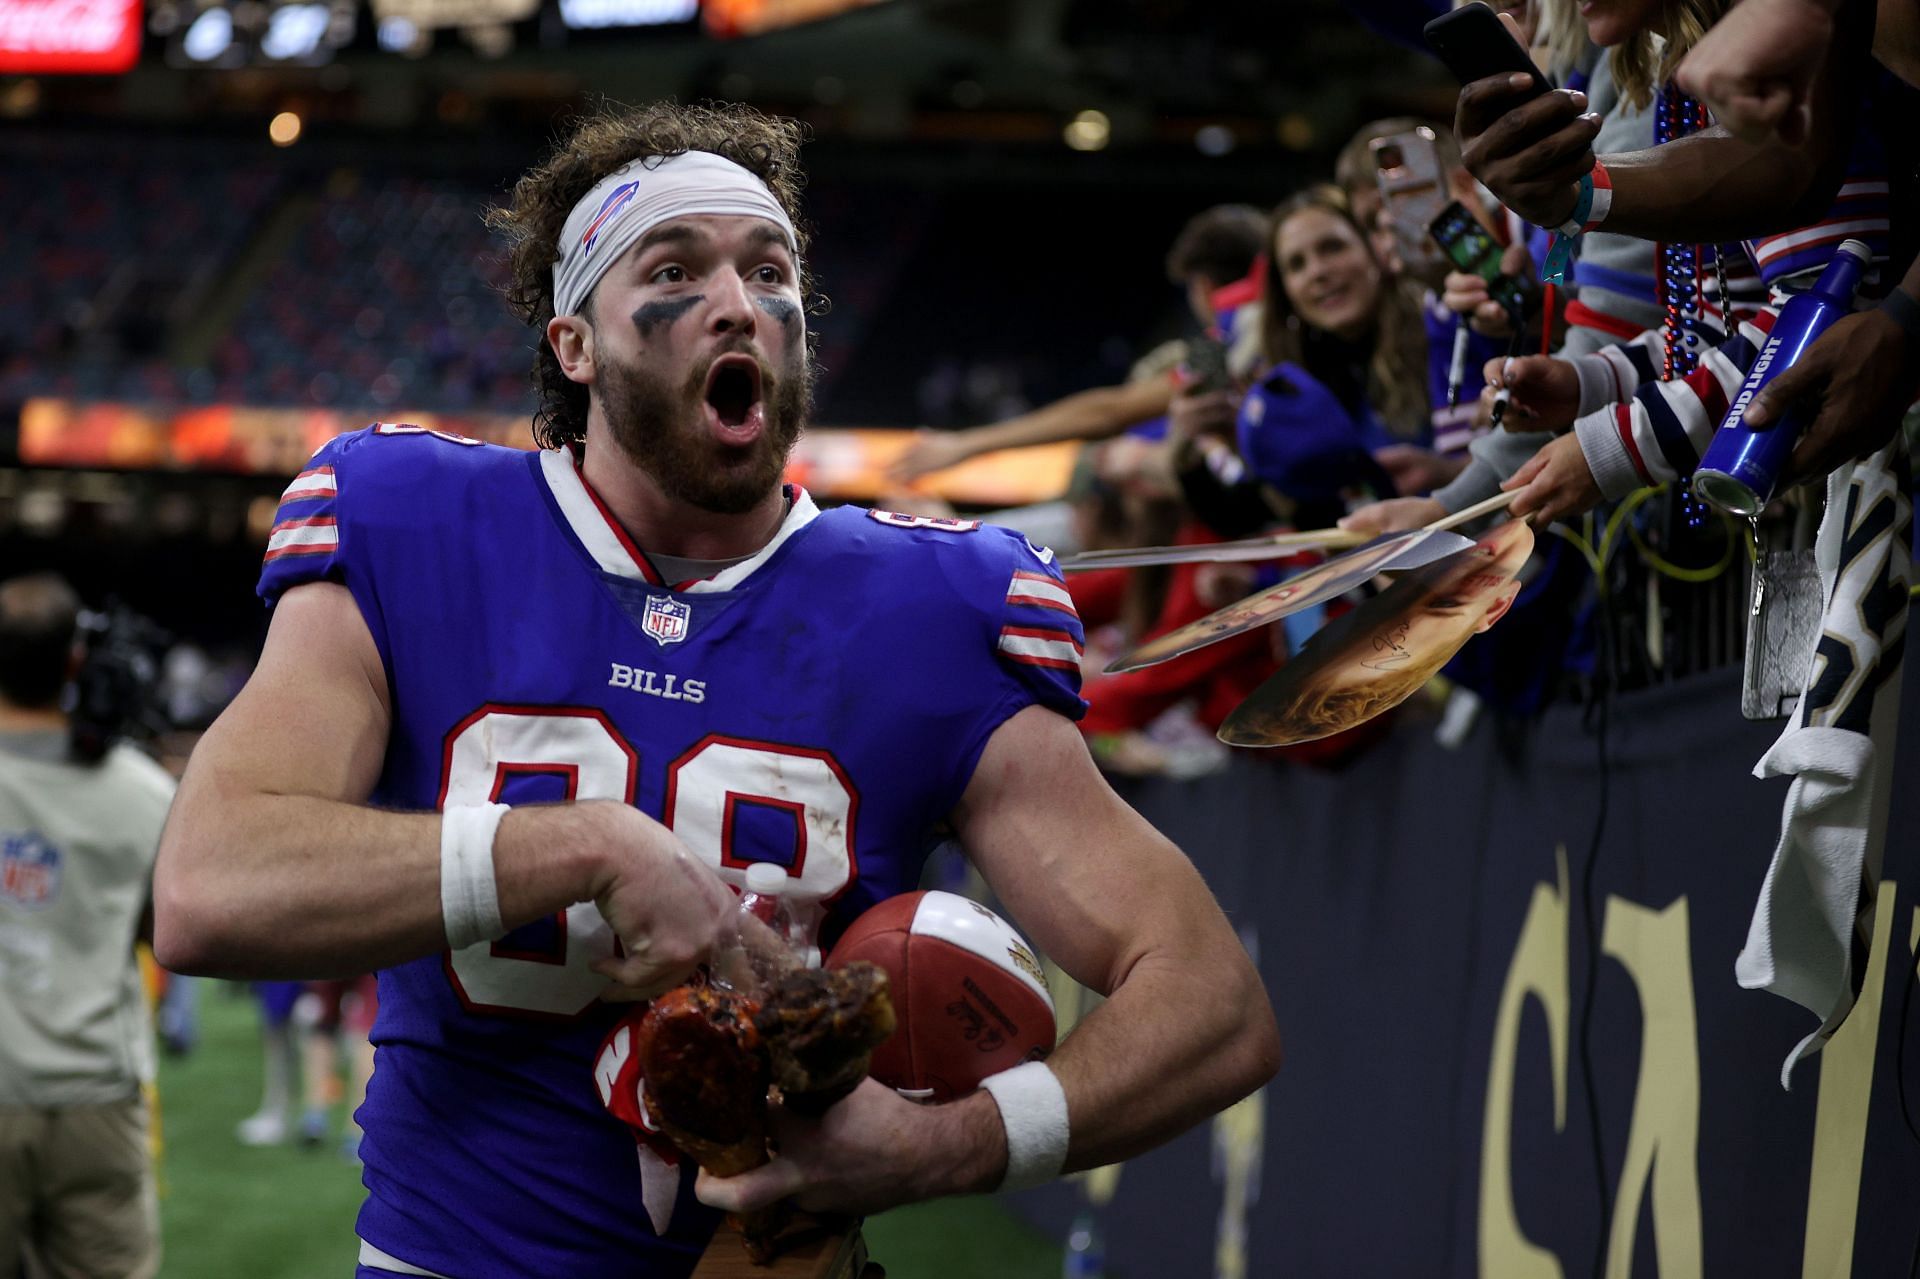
(522, 719)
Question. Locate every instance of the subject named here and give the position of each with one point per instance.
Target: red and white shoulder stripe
(1041, 646)
(1040, 591)
(311, 485)
(315, 535)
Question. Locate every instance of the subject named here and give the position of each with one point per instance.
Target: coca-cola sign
(82, 37)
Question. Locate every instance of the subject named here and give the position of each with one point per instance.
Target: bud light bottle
(1742, 466)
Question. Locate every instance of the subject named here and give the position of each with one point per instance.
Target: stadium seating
(176, 270)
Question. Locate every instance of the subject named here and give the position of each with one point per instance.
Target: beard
(663, 428)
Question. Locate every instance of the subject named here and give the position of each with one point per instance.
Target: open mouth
(733, 392)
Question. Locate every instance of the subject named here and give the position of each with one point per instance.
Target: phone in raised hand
(1471, 249)
(1475, 44)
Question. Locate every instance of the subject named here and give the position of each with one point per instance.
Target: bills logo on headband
(665, 620)
(617, 199)
(29, 869)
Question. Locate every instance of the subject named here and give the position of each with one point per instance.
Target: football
(968, 993)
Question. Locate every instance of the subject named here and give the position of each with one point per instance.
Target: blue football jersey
(821, 705)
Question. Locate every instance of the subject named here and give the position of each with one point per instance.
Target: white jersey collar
(603, 538)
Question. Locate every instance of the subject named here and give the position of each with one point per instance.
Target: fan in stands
(968, 995)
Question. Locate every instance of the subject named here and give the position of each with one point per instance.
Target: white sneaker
(267, 1128)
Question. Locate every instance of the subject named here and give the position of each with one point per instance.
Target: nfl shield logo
(29, 869)
(665, 620)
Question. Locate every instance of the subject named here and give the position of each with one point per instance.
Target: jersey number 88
(705, 790)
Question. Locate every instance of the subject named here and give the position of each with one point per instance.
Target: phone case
(1475, 44)
(1407, 171)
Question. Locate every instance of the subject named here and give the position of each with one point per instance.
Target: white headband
(639, 196)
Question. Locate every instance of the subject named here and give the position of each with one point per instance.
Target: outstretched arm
(1085, 415)
(272, 864)
(1708, 188)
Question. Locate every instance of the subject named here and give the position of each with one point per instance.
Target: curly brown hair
(764, 145)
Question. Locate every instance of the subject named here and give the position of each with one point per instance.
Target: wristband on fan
(469, 899)
(1033, 1109)
(1900, 307)
(1591, 204)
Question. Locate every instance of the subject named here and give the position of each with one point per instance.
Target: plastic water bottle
(1741, 467)
(1086, 1252)
(765, 899)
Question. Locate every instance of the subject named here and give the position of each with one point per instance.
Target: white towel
(1813, 923)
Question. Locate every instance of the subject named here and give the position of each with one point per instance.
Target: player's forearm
(263, 886)
(1186, 1034)
(1186, 1027)
(1182, 1038)
(962, 1150)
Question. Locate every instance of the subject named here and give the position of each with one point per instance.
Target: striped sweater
(1636, 430)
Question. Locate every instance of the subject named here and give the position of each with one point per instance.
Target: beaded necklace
(1677, 283)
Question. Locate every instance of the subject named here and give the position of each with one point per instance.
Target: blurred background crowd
(1181, 253)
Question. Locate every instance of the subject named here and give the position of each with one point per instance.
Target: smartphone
(1468, 246)
(1406, 166)
(1207, 364)
(1475, 44)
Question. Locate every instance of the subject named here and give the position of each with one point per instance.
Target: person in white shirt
(77, 843)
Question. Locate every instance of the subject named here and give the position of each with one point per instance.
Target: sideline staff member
(76, 853)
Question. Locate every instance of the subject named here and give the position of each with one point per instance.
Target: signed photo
(1375, 657)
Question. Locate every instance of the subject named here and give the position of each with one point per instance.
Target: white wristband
(469, 901)
(1033, 1109)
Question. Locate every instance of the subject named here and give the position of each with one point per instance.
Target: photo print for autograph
(1368, 661)
(1371, 659)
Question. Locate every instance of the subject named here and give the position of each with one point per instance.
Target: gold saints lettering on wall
(1663, 1133)
(1539, 969)
(1846, 1092)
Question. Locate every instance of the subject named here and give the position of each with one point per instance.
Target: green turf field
(230, 1212)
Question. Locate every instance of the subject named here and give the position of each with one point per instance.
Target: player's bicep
(313, 718)
(1083, 875)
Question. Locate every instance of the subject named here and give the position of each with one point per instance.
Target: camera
(115, 693)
